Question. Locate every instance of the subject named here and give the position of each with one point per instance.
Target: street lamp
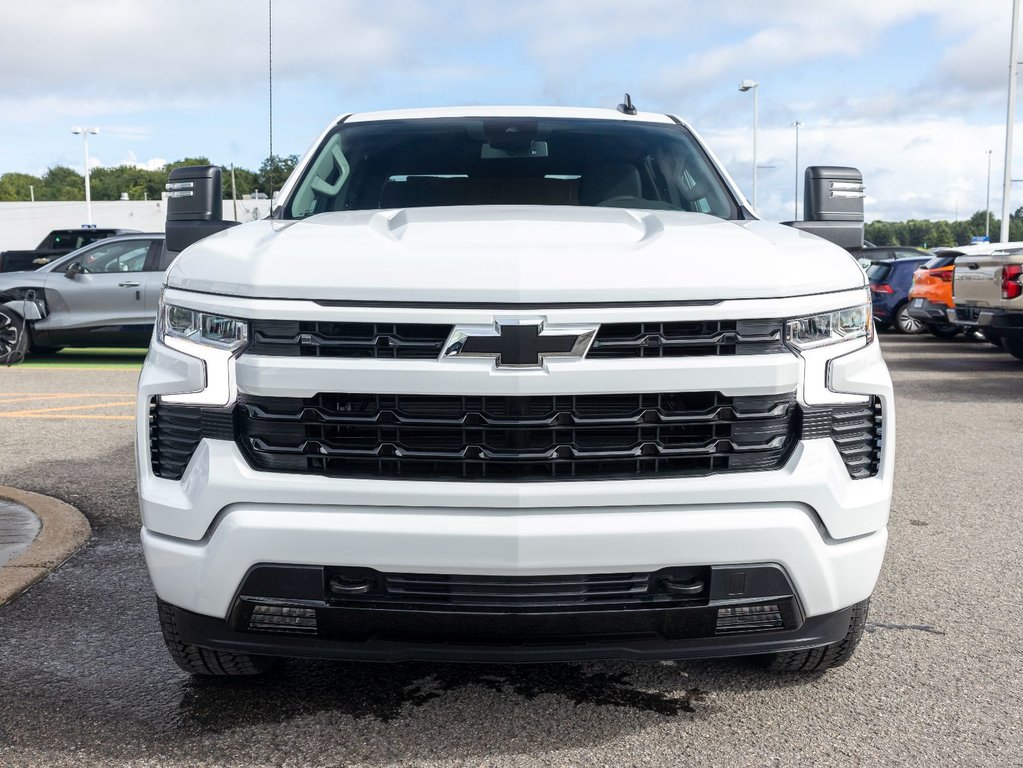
(753, 85)
(987, 205)
(85, 145)
(795, 193)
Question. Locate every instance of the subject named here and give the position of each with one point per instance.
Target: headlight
(831, 328)
(203, 328)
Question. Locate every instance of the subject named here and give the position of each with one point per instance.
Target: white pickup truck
(527, 384)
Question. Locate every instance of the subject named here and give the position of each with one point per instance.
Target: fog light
(749, 618)
(282, 618)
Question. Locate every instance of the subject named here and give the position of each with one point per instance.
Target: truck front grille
(514, 438)
(408, 341)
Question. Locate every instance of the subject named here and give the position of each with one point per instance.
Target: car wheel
(204, 661)
(1014, 346)
(827, 656)
(12, 337)
(945, 330)
(904, 323)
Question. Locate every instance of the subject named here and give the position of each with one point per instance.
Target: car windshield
(510, 161)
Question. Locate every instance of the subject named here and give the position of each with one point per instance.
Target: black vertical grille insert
(502, 438)
(856, 431)
(175, 432)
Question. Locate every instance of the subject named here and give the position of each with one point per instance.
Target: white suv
(513, 384)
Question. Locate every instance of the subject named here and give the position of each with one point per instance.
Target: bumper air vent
(175, 432)
(856, 431)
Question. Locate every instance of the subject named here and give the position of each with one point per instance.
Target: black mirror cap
(73, 270)
(181, 234)
(194, 194)
(833, 193)
(845, 234)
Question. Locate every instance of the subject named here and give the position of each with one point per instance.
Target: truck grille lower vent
(175, 432)
(515, 438)
(856, 431)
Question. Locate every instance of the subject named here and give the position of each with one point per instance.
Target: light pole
(795, 194)
(85, 145)
(753, 85)
(1010, 119)
(987, 205)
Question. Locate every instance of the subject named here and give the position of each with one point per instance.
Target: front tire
(904, 323)
(827, 656)
(203, 661)
(13, 340)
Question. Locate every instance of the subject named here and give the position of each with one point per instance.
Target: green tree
(62, 183)
(15, 186)
(273, 172)
(941, 236)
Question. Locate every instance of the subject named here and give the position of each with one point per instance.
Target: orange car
(931, 295)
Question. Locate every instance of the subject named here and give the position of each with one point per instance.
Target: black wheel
(944, 330)
(12, 337)
(1014, 346)
(827, 656)
(904, 323)
(203, 661)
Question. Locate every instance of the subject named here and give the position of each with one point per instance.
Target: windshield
(510, 161)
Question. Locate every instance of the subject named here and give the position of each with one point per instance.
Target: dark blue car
(890, 281)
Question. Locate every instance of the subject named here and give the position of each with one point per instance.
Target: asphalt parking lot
(85, 679)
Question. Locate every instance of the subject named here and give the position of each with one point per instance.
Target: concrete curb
(64, 530)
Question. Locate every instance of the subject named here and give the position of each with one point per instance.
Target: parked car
(103, 295)
(868, 255)
(890, 280)
(56, 244)
(930, 296)
(988, 290)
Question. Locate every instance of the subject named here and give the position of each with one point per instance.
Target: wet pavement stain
(918, 522)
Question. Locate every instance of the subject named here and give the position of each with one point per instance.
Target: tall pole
(85, 149)
(795, 192)
(1010, 118)
(753, 85)
(987, 205)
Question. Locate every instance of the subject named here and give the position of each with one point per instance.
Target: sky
(912, 92)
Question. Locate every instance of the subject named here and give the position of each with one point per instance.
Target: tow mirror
(833, 205)
(73, 270)
(195, 206)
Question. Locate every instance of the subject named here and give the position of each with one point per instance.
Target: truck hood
(512, 254)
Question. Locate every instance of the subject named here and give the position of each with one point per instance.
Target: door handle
(129, 284)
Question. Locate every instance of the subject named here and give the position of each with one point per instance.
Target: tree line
(924, 233)
(63, 183)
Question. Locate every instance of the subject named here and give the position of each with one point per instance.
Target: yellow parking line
(15, 397)
(30, 415)
(34, 411)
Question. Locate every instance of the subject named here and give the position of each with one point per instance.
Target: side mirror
(833, 205)
(194, 205)
(74, 269)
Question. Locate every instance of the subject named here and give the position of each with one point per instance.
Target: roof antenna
(626, 107)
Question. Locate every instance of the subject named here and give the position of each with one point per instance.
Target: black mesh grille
(175, 432)
(560, 437)
(723, 337)
(856, 431)
(446, 592)
(321, 339)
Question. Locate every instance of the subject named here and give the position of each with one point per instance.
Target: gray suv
(103, 295)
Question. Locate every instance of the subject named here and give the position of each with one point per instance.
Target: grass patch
(123, 359)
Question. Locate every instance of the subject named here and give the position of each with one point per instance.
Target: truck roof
(590, 113)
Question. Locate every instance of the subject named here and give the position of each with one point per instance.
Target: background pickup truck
(58, 243)
(988, 292)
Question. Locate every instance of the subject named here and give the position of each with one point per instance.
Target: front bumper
(826, 532)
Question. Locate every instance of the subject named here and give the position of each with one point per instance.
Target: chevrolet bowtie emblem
(519, 343)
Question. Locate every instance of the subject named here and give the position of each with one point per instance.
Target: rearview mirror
(194, 205)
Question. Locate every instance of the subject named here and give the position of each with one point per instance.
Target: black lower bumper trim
(928, 312)
(210, 632)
